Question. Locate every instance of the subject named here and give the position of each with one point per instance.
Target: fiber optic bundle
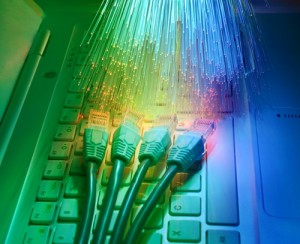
(179, 55)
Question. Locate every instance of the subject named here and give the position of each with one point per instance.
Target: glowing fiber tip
(186, 55)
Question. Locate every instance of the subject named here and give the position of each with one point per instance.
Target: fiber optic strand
(141, 50)
(188, 149)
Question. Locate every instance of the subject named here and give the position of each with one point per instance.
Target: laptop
(247, 190)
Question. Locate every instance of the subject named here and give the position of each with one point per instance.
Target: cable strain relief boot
(125, 141)
(94, 145)
(155, 145)
(188, 148)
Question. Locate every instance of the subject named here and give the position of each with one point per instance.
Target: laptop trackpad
(279, 154)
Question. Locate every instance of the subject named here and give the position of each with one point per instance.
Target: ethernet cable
(153, 149)
(125, 141)
(94, 144)
(188, 149)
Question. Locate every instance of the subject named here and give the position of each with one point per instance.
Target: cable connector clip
(95, 137)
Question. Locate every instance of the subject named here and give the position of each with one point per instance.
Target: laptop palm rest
(278, 136)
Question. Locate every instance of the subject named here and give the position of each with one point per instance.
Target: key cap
(37, 234)
(184, 231)
(150, 238)
(186, 182)
(222, 237)
(156, 172)
(74, 100)
(64, 234)
(83, 126)
(87, 109)
(185, 205)
(49, 190)
(125, 179)
(60, 150)
(222, 202)
(77, 167)
(76, 187)
(144, 192)
(79, 146)
(111, 135)
(74, 86)
(120, 197)
(111, 224)
(113, 221)
(154, 221)
(108, 155)
(70, 116)
(81, 59)
(55, 170)
(71, 209)
(65, 133)
(43, 213)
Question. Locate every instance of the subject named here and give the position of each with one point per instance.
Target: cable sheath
(124, 213)
(150, 204)
(109, 201)
(90, 201)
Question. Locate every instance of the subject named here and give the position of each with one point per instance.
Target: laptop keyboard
(200, 206)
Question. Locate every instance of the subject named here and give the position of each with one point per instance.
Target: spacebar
(222, 201)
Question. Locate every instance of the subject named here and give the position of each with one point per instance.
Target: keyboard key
(60, 150)
(150, 238)
(155, 220)
(81, 59)
(111, 135)
(77, 167)
(87, 109)
(111, 224)
(120, 197)
(125, 179)
(49, 190)
(71, 209)
(70, 116)
(222, 201)
(43, 213)
(74, 85)
(65, 133)
(144, 192)
(64, 234)
(79, 146)
(76, 187)
(185, 205)
(37, 234)
(112, 221)
(223, 237)
(55, 170)
(74, 100)
(108, 155)
(184, 231)
(186, 182)
(156, 172)
(83, 125)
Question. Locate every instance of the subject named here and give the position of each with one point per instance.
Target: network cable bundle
(158, 57)
(188, 149)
